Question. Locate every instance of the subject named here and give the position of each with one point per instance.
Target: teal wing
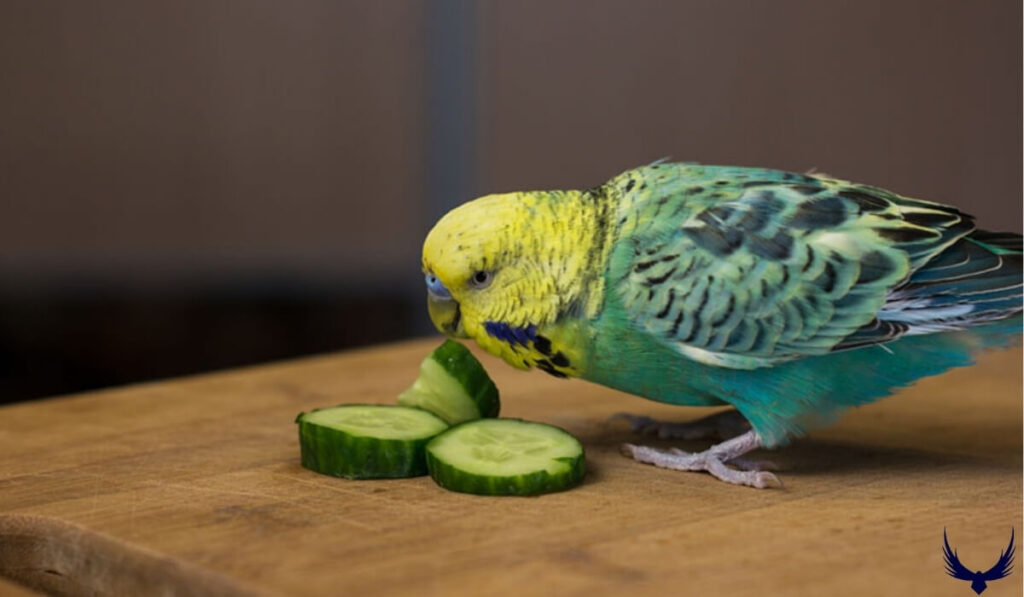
(747, 268)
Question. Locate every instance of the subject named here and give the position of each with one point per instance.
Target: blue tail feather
(790, 399)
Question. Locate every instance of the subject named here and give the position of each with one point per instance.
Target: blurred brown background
(201, 184)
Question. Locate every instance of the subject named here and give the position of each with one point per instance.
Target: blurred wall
(919, 96)
(174, 143)
(198, 184)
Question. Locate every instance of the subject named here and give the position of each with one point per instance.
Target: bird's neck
(570, 234)
(559, 286)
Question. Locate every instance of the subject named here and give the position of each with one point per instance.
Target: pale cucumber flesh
(505, 457)
(453, 385)
(439, 392)
(376, 420)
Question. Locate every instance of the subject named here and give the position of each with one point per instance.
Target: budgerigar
(791, 297)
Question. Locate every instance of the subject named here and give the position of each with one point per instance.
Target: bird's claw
(746, 464)
(749, 473)
(743, 464)
(715, 460)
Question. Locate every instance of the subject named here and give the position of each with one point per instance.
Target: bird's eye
(480, 279)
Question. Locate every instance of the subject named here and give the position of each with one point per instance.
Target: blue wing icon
(978, 579)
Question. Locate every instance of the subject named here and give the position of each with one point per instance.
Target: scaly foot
(714, 460)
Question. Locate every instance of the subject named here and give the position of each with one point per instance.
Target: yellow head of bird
(474, 262)
(517, 259)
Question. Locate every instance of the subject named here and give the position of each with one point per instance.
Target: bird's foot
(715, 460)
(721, 425)
(746, 464)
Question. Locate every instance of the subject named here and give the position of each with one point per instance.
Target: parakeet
(791, 297)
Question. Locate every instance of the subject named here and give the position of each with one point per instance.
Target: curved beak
(446, 315)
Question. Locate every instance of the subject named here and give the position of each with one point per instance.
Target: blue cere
(511, 334)
(436, 288)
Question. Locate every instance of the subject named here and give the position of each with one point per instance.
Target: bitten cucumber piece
(505, 457)
(453, 385)
(367, 441)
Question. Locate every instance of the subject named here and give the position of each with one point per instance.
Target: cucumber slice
(505, 457)
(367, 441)
(453, 385)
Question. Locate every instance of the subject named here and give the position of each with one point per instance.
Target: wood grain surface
(193, 487)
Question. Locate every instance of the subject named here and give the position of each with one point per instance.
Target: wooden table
(193, 486)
